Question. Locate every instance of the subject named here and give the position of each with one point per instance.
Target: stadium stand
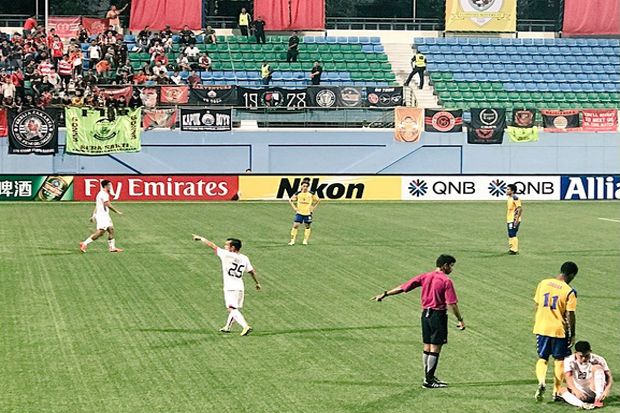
(540, 73)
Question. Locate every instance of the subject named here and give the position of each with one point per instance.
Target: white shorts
(103, 221)
(233, 298)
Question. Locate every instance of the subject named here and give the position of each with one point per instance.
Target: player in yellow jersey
(513, 218)
(554, 327)
(304, 203)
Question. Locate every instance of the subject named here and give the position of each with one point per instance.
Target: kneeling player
(587, 377)
(101, 215)
(304, 203)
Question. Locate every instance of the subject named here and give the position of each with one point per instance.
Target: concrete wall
(366, 151)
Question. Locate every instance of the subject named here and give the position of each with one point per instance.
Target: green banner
(36, 188)
(523, 134)
(102, 131)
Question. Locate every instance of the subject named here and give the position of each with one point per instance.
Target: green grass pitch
(137, 331)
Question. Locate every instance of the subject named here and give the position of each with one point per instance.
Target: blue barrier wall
(364, 151)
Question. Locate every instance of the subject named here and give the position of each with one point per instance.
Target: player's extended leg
(294, 232)
(598, 384)
(307, 232)
(84, 244)
(573, 400)
(111, 241)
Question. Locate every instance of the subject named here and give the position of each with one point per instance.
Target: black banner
(560, 120)
(33, 131)
(350, 97)
(213, 95)
(487, 126)
(445, 121)
(206, 120)
(324, 97)
(523, 118)
(384, 97)
(272, 97)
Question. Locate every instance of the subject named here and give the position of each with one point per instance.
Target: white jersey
(582, 373)
(234, 265)
(101, 210)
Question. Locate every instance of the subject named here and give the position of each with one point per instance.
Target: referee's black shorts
(434, 326)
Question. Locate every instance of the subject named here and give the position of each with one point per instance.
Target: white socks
(570, 398)
(599, 383)
(88, 240)
(229, 321)
(236, 314)
(111, 243)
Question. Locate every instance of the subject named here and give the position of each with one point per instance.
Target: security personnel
(418, 64)
(265, 73)
(244, 22)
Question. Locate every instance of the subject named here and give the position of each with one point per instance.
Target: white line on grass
(609, 219)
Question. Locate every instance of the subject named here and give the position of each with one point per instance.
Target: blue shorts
(513, 229)
(552, 346)
(303, 219)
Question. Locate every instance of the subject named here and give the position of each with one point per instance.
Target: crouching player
(587, 377)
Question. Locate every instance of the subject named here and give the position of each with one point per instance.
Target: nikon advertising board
(367, 188)
(36, 188)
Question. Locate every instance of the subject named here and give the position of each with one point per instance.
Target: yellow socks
(541, 371)
(307, 232)
(558, 375)
(513, 244)
(293, 234)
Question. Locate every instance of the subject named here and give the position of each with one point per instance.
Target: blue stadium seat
(342, 40)
(528, 42)
(319, 39)
(592, 42)
(566, 87)
(538, 42)
(129, 38)
(331, 40)
(378, 49)
(184, 75)
(364, 39)
(599, 87)
(353, 39)
(176, 38)
(419, 41)
(206, 75)
(541, 87)
(493, 77)
(520, 87)
(495, 41)
(309, 39)
(549, 42)
(375, 40)
(554, 87)
(604, 78)
(510, 87)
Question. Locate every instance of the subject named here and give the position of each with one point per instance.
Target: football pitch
(138, 331)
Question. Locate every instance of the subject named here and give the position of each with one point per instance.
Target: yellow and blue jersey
(304, 201)
(554, 299)
(511, 208)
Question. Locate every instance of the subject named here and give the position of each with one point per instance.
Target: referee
(437, 296)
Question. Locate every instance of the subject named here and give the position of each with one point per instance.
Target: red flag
(117, 92)
(95, 25)
(4, 128)
(66, 26)
(159, 118)
(599, 120)
(174, 94)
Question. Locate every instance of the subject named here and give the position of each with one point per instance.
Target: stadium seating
(346, 60)
(542, 73)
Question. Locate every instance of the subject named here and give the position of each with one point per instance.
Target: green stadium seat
(201, 46)
(559, 97)
(211, 47)
(452, 86)
(502, 96)
(468, 96)
(497, 86)
(492, 96)
(486, 87)
(548, 97)
(570, 97)
(135, 65)
(246, 47)
(593, 97)
(536, 97)
(390, 77)
(604, 97)
(474, 86)
(513, 96)
(479, 96)
(436, 76)
(440, 87)
(359, 57)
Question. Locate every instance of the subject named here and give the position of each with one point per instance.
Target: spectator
(113, 16)
(259, 30)
(183, 63)
(187, 36)
(142, 44)
(103, 67)
(209, 35)
(244, 22)
(193, 79)
(29, 25)
(8, 89)
(176, 78)
(192, 53)
(76, 59)
(204, 63)
(266, 72)
(315, 74)
(49, 40)
(135, 101)
(292, 52)
(57, 50)
(418, 65)
(82, 34)
(94, 52)
(122, 51)
(54, 80)
(167, 32)
(45, 67)
(156, 50)
(65, 71)
(159, 69)
(140, 78)
(5, 53)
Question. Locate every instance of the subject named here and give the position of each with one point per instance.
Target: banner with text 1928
(93, 132)
(481, 15)
(383, 97)
(206, 119)
(33, 131)
(487, 126)
(408, 124)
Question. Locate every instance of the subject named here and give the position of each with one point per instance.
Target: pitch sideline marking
(609, 219)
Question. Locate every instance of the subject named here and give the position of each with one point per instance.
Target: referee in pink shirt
(437, 296)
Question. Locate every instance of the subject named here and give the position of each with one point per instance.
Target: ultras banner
(487, 126)
(33, 131)
(599, 120)
(560, 120)
(213, 95)
(92, 132)
(206, 119)
(272, 97)
(384, 97)
(408, 124)
(481, 15)
(159, 118)
(445, 121)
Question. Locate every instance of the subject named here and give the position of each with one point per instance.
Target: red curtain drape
(158, 13)
(591, 17)
(291, 14)
(307, 14)
(275, 13)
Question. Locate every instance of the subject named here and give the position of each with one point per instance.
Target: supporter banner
(66, 26)
(560, 120)
(174, 94)
(156, 14)
(602, 187)
(522, 134)
(523, 118)
(95, 25)
(350, 97)
(36, 188)
(326, 187)
(481, 15)
(446, 121)
(214, 95)
(149, 97)
(598, 120)
(159, 118)
(384, 97)
(408, 124)
(487, 126)
(206, 120)
(159, 187)
(478, 188)
(324, 96)
(117, 92)
(272, 97)
(592, 17)
(91, 132)
(4, 127)
(32, 131)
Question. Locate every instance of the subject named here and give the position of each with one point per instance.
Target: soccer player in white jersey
(101, 215)
(587, 377)
(234, 265)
